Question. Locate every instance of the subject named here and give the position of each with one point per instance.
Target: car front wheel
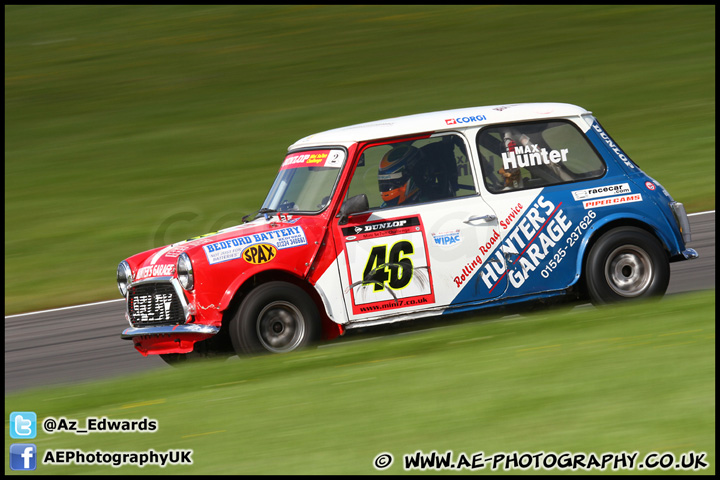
(276, 317)
(626, 263)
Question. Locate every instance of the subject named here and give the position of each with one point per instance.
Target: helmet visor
(390, 181)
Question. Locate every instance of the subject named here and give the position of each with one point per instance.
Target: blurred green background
(627, 378)
(128, 127)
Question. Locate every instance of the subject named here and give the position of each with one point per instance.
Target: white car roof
(439, 121)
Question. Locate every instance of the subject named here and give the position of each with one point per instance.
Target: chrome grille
(154, 304)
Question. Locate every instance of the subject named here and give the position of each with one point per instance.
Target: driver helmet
(395, 176)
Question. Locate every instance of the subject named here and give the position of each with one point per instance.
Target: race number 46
(393, 268)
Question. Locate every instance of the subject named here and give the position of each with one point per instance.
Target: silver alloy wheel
(629, 270)
(280, 327)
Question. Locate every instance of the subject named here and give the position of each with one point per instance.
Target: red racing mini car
(408, 217)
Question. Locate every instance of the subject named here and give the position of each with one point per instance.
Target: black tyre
(176, 359)
(202, 351)
(276, 317)
(626, 263)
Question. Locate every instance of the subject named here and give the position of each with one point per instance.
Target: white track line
(122, 299)
(64, 308)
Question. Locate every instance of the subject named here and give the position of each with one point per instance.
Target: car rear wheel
(276, 317)
(626, 263)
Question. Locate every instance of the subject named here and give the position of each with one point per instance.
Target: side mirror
(356, 204)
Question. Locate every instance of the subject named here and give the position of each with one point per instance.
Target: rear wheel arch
(641, 247)
(598, 233)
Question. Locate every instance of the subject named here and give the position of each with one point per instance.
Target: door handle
(485, 218)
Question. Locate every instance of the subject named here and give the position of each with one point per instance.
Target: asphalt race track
(76, 344)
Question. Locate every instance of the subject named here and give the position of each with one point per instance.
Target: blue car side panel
(536, 253)
(543, 252)
(656, 198)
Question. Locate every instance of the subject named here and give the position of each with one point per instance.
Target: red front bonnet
(223, 261)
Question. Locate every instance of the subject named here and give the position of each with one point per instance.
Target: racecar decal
(603, 191)
(234, 248)
(388, 265)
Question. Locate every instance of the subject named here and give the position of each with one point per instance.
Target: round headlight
(124, 277)
(185, 271)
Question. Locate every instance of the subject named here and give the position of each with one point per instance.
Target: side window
(413, 171)
(538, 154)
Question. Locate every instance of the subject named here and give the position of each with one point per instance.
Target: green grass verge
(627, 378)
(128, 127)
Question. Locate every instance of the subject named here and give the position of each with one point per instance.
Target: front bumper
(131, 332)
(690, 253)
(168, 338)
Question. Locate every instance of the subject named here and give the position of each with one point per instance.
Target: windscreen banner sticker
(604, 191)
(388, 265)
(234, 248)
(607, 202)
(314, 158)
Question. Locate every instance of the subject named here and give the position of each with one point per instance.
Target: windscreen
(305, 181)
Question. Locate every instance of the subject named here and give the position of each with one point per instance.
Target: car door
(425, 235)
(538, 177)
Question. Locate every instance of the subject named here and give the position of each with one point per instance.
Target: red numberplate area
(388, 265)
